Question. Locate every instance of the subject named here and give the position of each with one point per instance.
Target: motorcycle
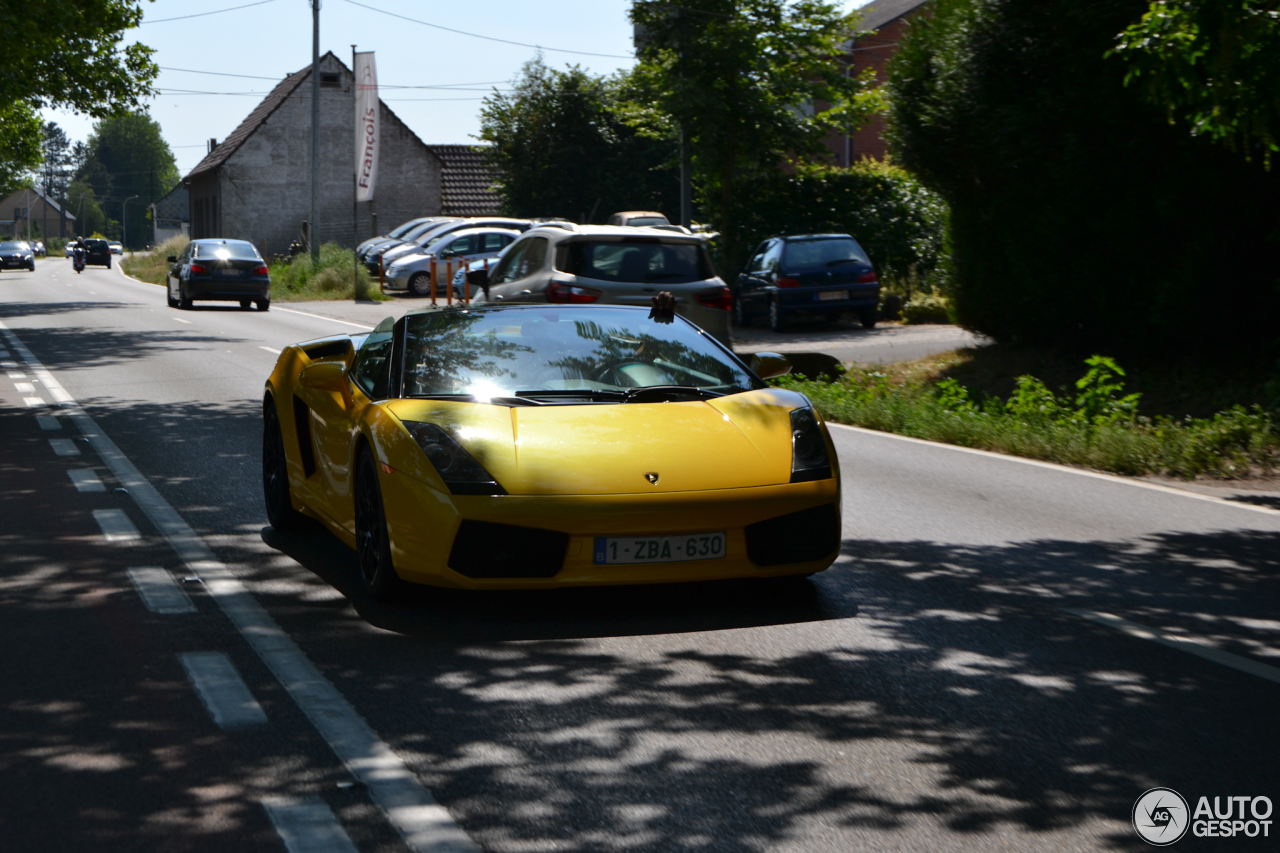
(77, 260)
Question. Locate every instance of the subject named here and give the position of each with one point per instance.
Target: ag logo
(1160, 816)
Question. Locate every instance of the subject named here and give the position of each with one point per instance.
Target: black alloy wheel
(184, 300)
(868, 318)
(777, 319)
(420, 284)
(373, 545)
(275, 473)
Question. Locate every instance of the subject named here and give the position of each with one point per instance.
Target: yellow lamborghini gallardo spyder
(532, 446)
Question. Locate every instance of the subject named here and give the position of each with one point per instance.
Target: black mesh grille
(302, 421)
(328, 350)
(796, 537)
(483, 549)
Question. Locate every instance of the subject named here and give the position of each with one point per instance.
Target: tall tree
(1213, 65)
(752, 83)
(566, 123)
(128, 162)
(55, 170)
(19, 145)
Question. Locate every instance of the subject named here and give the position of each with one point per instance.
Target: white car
(608, 264)
(412, 272)
(116, 248)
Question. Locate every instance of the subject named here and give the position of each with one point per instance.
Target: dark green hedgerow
(1099, 427)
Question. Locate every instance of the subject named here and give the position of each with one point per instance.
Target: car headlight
(458, 468)
(808, 449)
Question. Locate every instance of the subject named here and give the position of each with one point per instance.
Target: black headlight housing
(458, 468)
(809, 460)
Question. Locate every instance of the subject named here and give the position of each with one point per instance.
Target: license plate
(229, 273)
(659, 549)
(832, 295)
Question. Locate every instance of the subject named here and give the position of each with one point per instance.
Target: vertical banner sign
(368, 126)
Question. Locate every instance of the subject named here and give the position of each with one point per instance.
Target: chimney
(213, 144)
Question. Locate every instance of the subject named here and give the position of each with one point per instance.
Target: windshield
(401, 230)
(823, 253)
(9, 246)
(226, 249)
(521, 351)
(635, 262)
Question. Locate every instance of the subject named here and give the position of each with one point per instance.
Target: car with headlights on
(220, 270)
(117, 248)
(536, 446)
(17, 255)
(820, 275)
(606, 264)
(412, 272)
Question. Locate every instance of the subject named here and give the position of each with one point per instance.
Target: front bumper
(421, 545)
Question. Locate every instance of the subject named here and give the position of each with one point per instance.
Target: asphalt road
(940, 688)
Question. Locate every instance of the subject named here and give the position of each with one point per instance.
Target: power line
(487, 38)
(203, 14)
(457, 87)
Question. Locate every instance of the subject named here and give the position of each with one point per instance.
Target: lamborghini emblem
(652, 477)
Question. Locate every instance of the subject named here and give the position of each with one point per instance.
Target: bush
(329, 278)
(1097, 427)
(1079, 216)
(152, 266)
(892, 215)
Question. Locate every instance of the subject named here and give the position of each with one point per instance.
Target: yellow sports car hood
(739, 441)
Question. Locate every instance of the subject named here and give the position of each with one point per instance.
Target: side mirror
(767, 365)
(172, 259)
(325, 376)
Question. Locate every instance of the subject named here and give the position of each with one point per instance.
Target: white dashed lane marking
(1190, 645)
(34, 402)
(222, 690)
(180, 320)
(307, 825)
(116, 526)
(24, 387)
(159, 591)
(86, 480)
(64, 447)
(48, 422)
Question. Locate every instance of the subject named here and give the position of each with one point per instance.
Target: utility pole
(355, 189)
(313, 231)
(124, 219)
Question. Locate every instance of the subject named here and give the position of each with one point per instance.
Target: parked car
(69, 249)
(224, 270)
(412, 272)
(17, 255)
(116, 247)
(607, 264)
(638, 217)
(460, 277)
(376, 251)
(397, 233)
(428, 238)
(97, 252)
(815, 274)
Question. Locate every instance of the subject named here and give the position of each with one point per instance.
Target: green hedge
(899, 221)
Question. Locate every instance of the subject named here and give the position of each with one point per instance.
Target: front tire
(168, 297)
(373, 544)
(777, 318)
(275, 473)
(420, 284)
(184, 300)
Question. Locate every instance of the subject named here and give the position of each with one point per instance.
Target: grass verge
(1094, 424)
(300, 281)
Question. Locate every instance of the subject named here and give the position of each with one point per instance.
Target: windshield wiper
(660, 275)
(664, 393)
(589, 393)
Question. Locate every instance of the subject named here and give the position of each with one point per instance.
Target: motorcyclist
(79, 252)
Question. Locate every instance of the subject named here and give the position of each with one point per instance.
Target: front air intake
(797, 537)
(483, 549)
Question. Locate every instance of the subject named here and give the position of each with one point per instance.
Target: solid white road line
(268, 349)
(1066, 469)
(116, 526)
(159, 591)
(48, 422)
(306, 825)
(320, 317)
(1192, 645)
(422, 822)
(86, 480)
(64, 447)
(222, 690)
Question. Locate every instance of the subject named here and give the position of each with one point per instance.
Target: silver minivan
(616, 265)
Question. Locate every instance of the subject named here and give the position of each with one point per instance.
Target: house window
(330, 80)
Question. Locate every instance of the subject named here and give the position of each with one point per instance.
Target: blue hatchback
(815, 274)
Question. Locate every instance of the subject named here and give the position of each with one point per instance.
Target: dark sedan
(97, 252)
(17, 255)
(223, 270)
(815, 274)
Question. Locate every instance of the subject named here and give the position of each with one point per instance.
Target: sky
(272, 38)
